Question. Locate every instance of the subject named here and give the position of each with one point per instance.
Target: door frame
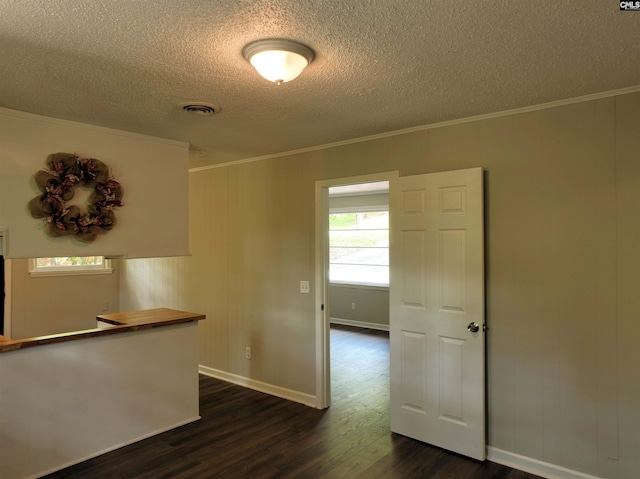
(7, 283)
(323, 357)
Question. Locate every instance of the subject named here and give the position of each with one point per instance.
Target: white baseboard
(534, 466)
(113, 448)
(360, 324)
(284, 393)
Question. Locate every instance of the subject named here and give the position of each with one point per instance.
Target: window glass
(70, 262)
(359, 248)
(69, 265)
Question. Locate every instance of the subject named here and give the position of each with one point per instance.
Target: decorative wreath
(57, 182)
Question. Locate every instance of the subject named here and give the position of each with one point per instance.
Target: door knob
(473, 327)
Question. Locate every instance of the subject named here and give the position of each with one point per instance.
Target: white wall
(562, 262)
(66, 402)
(152, 171)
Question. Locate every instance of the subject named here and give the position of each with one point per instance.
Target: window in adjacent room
(69, 265)
(359, 247)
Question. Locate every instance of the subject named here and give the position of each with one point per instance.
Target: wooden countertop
(116, 323)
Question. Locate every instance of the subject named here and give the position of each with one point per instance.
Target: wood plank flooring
(247, 434)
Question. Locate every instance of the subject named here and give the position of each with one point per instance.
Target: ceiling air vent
(199, 108)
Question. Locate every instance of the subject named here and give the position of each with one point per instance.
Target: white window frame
(43, 272)
(358, 209)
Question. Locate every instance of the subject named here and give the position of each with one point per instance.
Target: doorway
(2, 293)
(436, 307)
(359, 255)
(341, 188)
(5, 291)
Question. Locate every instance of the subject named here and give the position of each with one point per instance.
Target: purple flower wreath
(57, 182)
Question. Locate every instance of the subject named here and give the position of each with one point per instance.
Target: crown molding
(459, 121)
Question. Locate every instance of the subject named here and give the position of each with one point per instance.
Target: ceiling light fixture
(278, 60)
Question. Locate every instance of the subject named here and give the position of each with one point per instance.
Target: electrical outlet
(247, 352)
(104, 306)
(304, 286)
(353, 305)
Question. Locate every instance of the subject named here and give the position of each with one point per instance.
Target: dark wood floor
(247, 434)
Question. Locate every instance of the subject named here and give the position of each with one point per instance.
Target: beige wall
(563, 232)
(371, 305)
(51, 305)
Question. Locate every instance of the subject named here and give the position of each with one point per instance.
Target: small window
(69, 265)
(359, 248)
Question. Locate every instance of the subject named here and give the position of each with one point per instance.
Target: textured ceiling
(381, 65)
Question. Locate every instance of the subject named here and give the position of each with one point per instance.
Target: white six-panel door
(436, 293)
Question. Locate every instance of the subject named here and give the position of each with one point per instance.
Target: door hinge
(322, 307)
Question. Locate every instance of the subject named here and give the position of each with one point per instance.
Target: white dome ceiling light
(278, 60)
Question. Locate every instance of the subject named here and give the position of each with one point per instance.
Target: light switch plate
(304, 286)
